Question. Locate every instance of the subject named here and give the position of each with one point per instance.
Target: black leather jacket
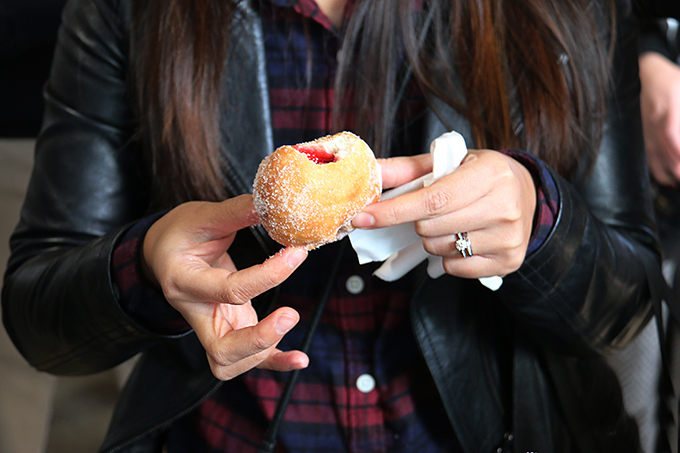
(518, 369)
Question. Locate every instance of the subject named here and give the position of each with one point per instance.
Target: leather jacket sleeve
(88, 182)
(590, 282)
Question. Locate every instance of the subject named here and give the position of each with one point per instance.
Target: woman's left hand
(490, 196)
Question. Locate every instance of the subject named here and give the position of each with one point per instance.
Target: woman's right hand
(185, 253)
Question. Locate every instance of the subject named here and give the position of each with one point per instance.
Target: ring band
(463, 245)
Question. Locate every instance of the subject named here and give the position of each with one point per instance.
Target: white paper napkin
(399, 246)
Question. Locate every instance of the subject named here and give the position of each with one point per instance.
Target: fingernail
(363, 220)
(295, 257)
(284, 323)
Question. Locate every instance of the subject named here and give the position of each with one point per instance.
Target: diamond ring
(463, 245)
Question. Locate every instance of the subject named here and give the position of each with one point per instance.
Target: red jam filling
(316, 154)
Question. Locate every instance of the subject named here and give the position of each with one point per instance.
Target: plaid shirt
(367, 388)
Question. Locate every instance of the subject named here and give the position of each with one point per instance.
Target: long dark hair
(526, 73)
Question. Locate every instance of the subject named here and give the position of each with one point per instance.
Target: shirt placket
(365, 418)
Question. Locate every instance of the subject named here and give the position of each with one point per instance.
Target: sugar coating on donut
(307, 194)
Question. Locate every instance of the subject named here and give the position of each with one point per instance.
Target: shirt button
(365, 383)
(354, 284)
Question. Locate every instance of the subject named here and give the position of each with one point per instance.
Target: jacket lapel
(246, 118)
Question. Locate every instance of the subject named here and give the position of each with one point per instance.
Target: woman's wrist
(547, 197)
(142, 300)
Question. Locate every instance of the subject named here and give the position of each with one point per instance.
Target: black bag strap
(269, 441)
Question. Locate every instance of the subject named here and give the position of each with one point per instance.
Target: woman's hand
(185, 253)
(490, 196)
(660, 106)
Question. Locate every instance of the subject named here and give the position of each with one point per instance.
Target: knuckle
(169, 281)
(495, 164)
(260, 343)
(503, 174)
(515, 262)
(391, 215)
(514, 241)
(509, 212)
(223, 373)
(421, 228)
(457, 268)
(437, 201)
(233, 294)
(215, 358)
(171, 291)
(513, 212)
(449, 266)
(430, 247)
(273, 277)
(174, 291)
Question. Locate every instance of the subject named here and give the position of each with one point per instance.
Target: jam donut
(307, 194)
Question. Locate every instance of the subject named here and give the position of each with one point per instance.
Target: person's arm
(88, 185)
(89, 189)
(588, 286)
(660, 104)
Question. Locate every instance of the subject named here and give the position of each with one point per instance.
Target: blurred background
(38, 412)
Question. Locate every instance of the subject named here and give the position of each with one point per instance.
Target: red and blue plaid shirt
(367, 389)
